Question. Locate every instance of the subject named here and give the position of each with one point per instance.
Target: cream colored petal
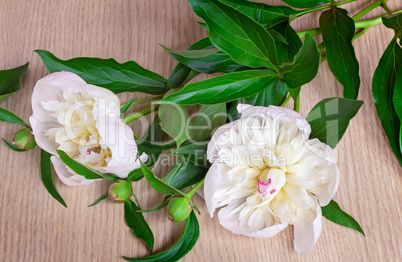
(49, 88)
(307, 237)
(38, 129)
(229, 219)
(213, 180)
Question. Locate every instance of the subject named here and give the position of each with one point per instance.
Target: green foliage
(107, 73)
(184, 174)
(305, 65)
(330, 118)
(10, 81)
(224, 88)
(334, 213)
(158, 184)
(273, 94)
(47, 177)
(83, 170)
(243, 39)
(136, 221)
(338, 30)
(9, 117)
(180, 248)
(383, 85)
(306, 3)
(196, 153)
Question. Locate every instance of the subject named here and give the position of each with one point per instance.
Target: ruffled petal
(38, 130)
(229, 219)
(306, 237)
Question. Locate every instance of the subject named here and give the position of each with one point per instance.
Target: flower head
(82, 120)
(266, 174)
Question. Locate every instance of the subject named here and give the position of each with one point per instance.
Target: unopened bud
(120, 191)
(24, 139)
(179, 209)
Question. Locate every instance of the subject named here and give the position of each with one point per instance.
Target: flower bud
(24, 139)
(179, 209)
(120, 191)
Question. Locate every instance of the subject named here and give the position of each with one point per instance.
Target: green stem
(323, 7)
(366, 10)
(145, 100)
(385, 7)
(296, 105)
(144, 112)
(286, 101)
(360, 24)
(195, 188)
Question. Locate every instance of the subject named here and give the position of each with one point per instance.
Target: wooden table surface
(35, 227)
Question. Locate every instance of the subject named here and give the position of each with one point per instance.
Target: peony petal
(248, 111)
(65, 176)
(49, 88)
(230, 220)
(120, 139)
(214, 144)
(40, 138)
(306, 237)
(213, 180)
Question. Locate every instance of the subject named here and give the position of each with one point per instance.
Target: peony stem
(144, 112)
(296, 105)
(360, 24)
(366, 10)
(195, 188)
(286, 101)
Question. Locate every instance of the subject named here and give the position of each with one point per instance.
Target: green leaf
(13, 147)
(82, 170)
(274, 94)
(383, 88)
(136, 221)
(158, 184)
(10, 81)
(243, 39)
(334, 213)
(135, 175)
(173, 120)
(180, 248)
(306, 3)
(397, 99)
(152, 149)
(330, 118)
(196, 153)
(184, 174)
(287, 52)
(107, 73)
(124, 109)
(99, 200)
(294, 92)
(8, 117)
(164, 203)
(394, 22)
(217, 62)
(338, 30)
(266, 15)
(206, 121)
(233, 114)
(223, 88)
(193, 54)
(305, 65)
(47, 177)
(181, 74)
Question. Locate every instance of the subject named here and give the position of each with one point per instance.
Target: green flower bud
(24, 139)
(120, 191)
(179, 209)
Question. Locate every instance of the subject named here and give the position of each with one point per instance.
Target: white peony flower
(266, 174)
(82, 120)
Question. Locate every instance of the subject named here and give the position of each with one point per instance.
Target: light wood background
(35, 227)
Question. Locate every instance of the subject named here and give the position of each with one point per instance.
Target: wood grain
(35, 227)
